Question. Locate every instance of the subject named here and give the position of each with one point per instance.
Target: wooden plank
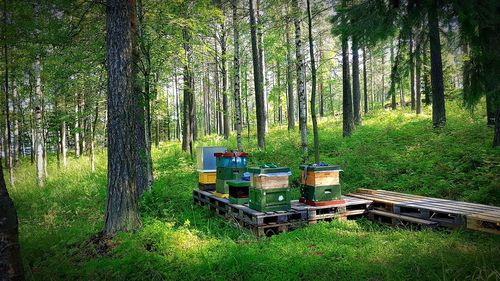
(427, 223)
(484, 222)
(265, 182)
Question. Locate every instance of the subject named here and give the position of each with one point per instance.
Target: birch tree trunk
(39, 134)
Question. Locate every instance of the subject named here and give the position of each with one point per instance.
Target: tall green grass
(391, 150)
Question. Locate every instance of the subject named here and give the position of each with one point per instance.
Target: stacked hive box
(269, 190)
(207, 166)
(238, 191)
(320, 185)
(230, 166)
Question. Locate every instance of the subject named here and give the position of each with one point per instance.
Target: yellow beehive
(320, 178)
(207, 177)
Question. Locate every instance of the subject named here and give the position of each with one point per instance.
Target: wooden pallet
(447, 213)
(400, 220)
(352, 208)
(268, 223)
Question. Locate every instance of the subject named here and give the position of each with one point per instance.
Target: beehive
(319, 175)
(269, 178)
(269, 200)
(238, 191)
(207, 177)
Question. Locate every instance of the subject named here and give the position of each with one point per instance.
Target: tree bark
(412, 71)
(300, 82)
(236, 60)
(438, 104)
(289, 82)
(11, 264)
(418, 66)
(8, 141)
(365, 82)
(122, 208)
(262, 66)
(347, 118)
(313, 85)
(39, 136)
(257, 77)
(15, 113)
(225, 99)
(356, 89)
(77, 127)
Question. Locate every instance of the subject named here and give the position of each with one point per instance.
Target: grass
(391, 150)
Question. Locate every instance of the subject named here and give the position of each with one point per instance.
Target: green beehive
(321, 193)
(238, 191)
(226, 173)
(269, 200)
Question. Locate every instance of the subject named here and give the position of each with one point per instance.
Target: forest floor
(180, 241)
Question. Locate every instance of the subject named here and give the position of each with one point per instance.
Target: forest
(104, 104)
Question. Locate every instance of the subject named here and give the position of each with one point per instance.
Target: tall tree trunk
(412, 72)
(8, 142)
(490, 110)
(418, 66)
(77, 127)
(262, 66)
(394, 73)
(320, 78)
(347, 118)
(300, 82)
(365, 82)
(236, 59)
(384, 94)
(257, 77)
(92, 141)
(356, 89)
(63, 143)
(225, 99)
(11, 264)
(39, 135)
(122, 207)
(313, 85)
(427, 90)
(188, 108)
(438, 105)
(289, 82)
(16, 106)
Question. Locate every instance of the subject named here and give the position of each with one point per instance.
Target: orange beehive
(320, 178)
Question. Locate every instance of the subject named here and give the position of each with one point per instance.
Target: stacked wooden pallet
(406, 209)
(269, 223)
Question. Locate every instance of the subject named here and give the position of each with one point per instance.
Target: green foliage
(393, 150)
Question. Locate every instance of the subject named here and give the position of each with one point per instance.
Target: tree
(38, 132)
(347, 117)
(313, 85)
(236, 59)
(438, 105)
(356, 89)
(11, 266)
(301, 88)
(122, 207)
(289, 82)
(259, 90)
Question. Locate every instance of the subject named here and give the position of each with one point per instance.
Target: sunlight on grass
(392, 150)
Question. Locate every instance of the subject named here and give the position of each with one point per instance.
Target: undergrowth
(391, 150)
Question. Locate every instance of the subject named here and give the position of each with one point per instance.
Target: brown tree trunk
(418, 66)
(259, 91)
(289, 82)
(438, 104)
(347, 118)
(356, 89)
(365, 82)
(313, 85)
(236, 59)
(122, 208)
(300, 82)
(11, 264)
